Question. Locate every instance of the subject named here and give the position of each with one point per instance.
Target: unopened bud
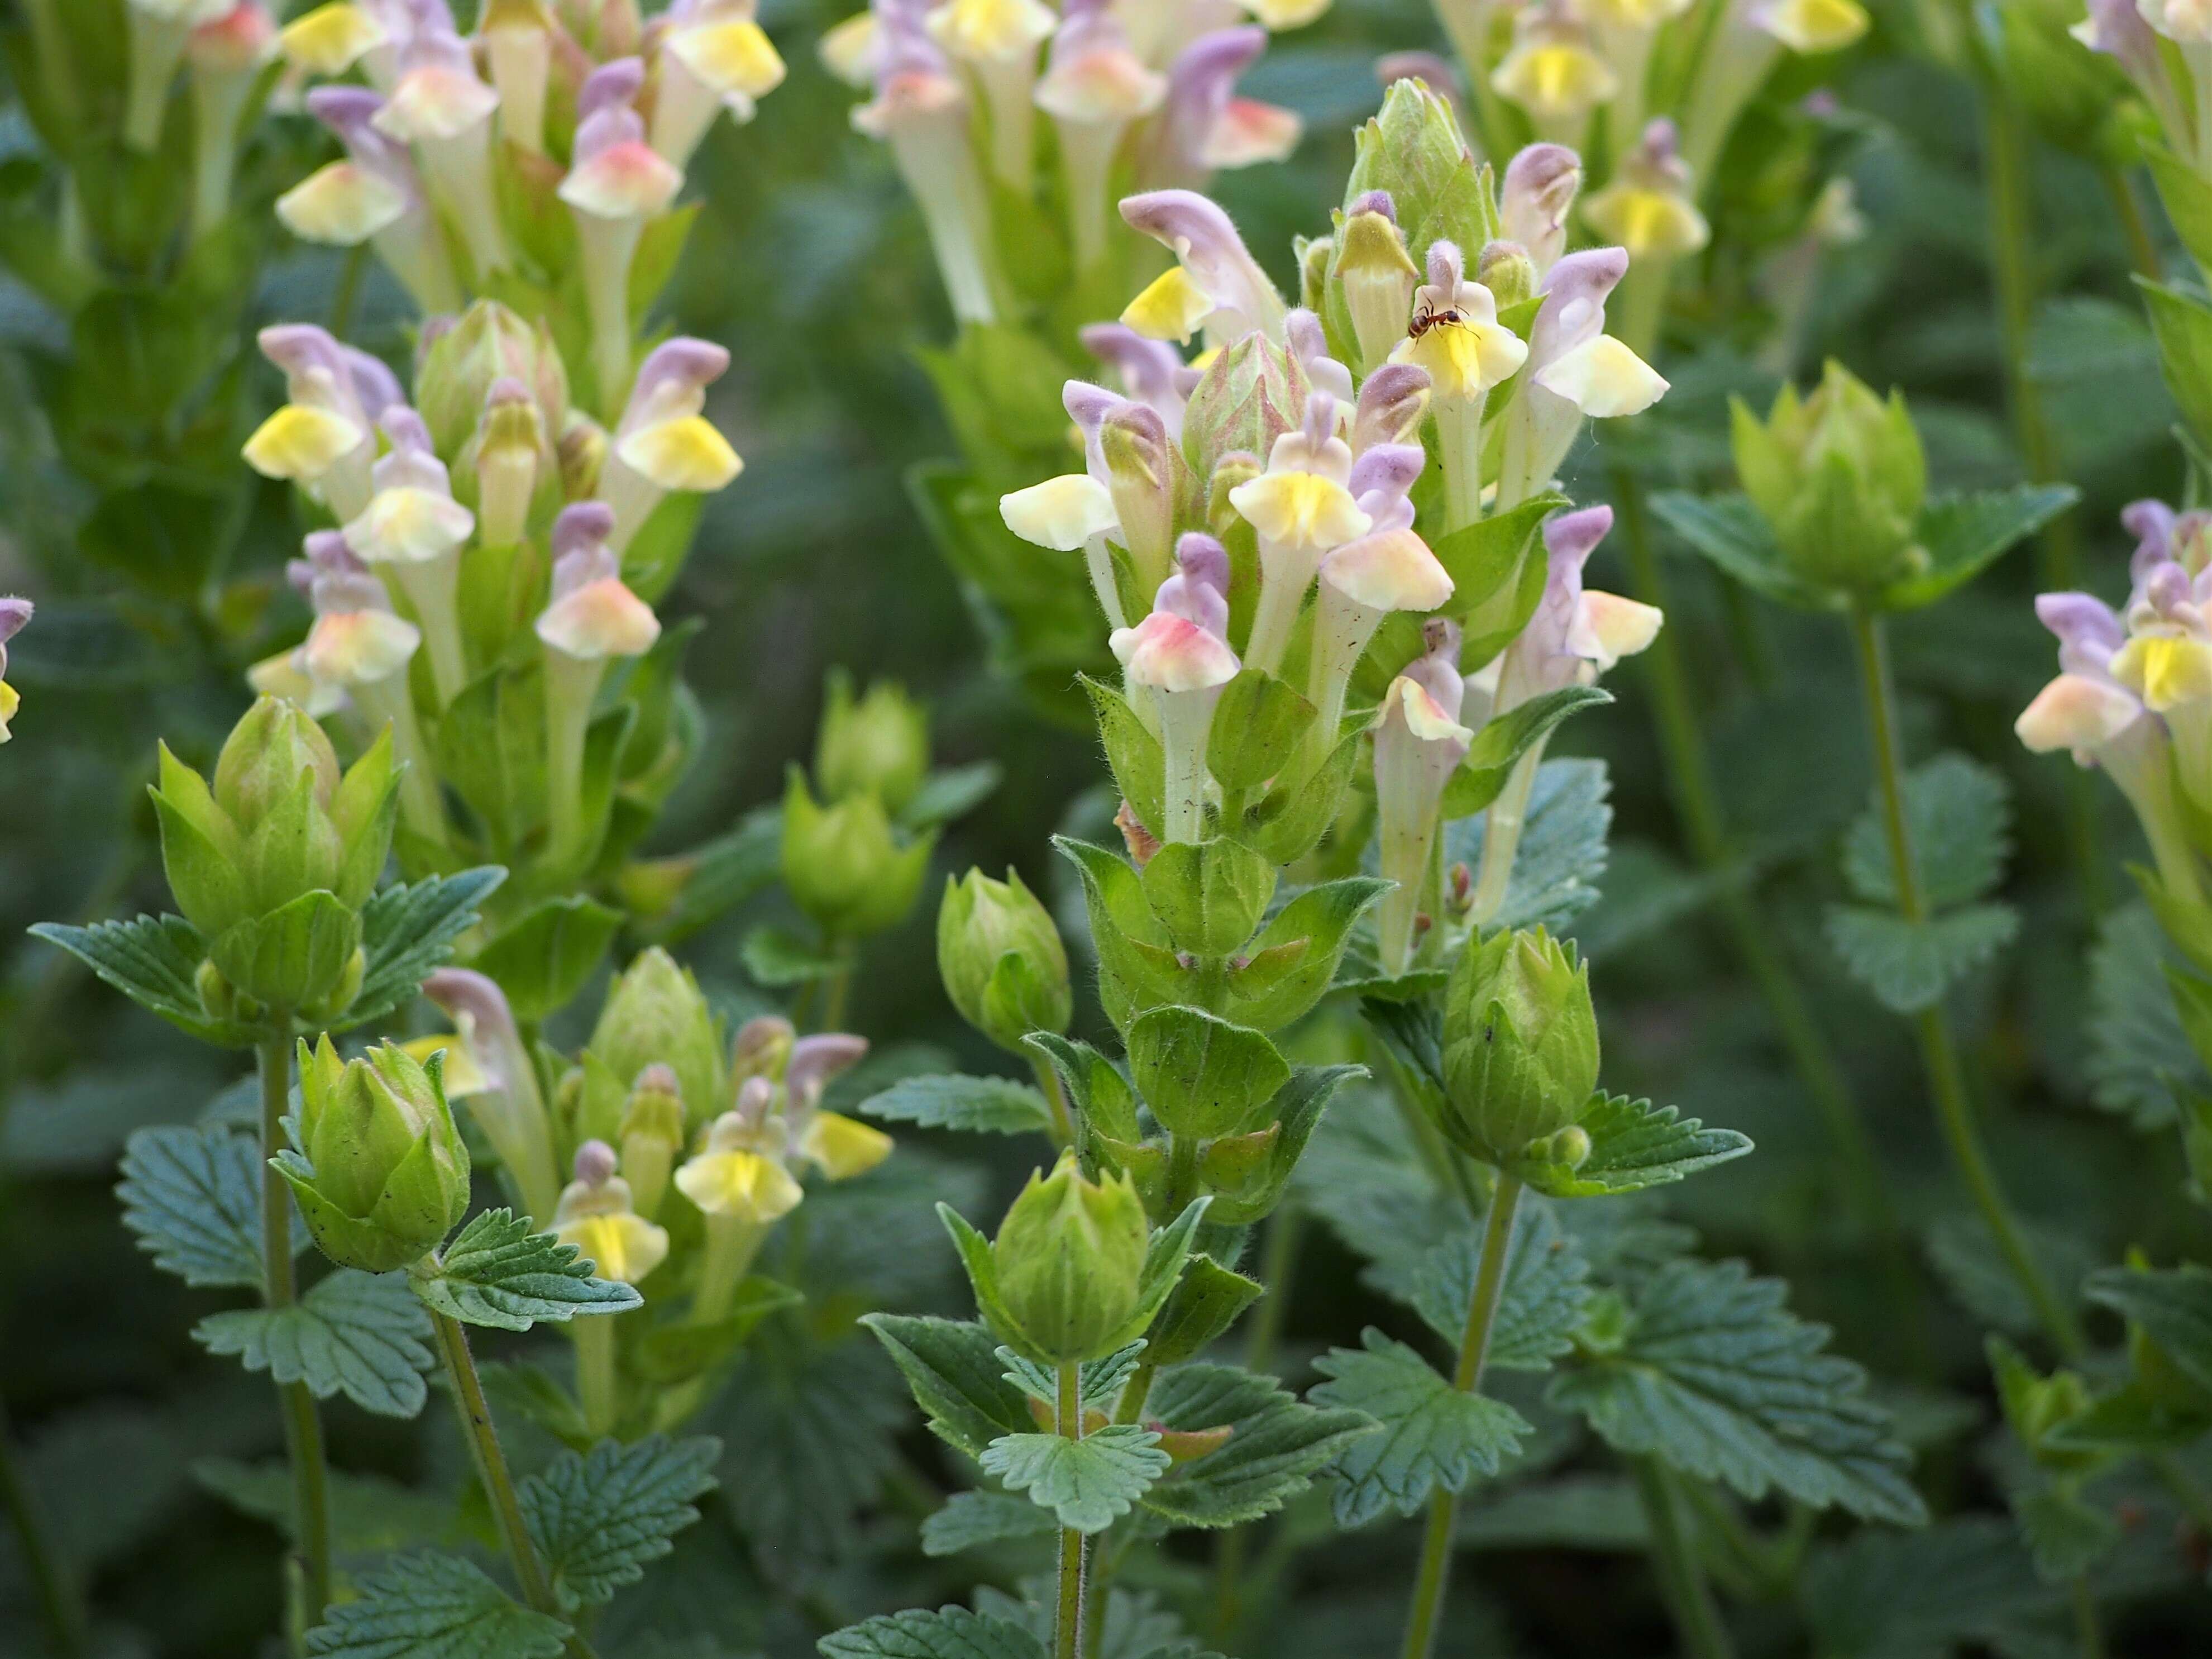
(843, 866)
(655, 1014)
(1068, 1259)
(1507, 272)
(1379, 275)
(1002, 961)
(1521, 1045)
(876, 742)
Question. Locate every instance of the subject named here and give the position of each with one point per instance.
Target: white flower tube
(615, 183)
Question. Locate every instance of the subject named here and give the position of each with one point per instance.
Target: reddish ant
(1428, 317)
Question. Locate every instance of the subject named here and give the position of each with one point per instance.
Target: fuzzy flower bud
(1069, 1261)
(878, 743)
(1521, 1045)
(1001, 958)
(381, 1174)
(655, 1015)
(842, 865)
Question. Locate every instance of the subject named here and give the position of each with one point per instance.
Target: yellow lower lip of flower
(1816, 26)
(980, 30)
(1465, 360)
(843, 1147)
(1648, 223)
(849, 50)
(330, 39)
(1171, 307)
(1300, 509)
(463, 1076)
(1557, 82)
(733, 56)
(408, 526)
(1286, 13)
(9, 702)
(300, 442)
(340, 205)
(620, 1247)
(742, 1184)
(2168, 671)
(1605, 379)
(687, 453)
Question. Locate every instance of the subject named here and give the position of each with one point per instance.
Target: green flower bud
(1002, 960)
(1251, 394)
(1313, 254)
(878, 741)
(1508, 272)
(273, 863)
(1841, 479)
(1377, 277)
(652, 1133)
(381, 1175)
(1069, 1259)
(489, 343)
(843, 867)
(655, 1014)
(1520, 1048)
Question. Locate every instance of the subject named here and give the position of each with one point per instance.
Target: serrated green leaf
(1432, 1435)
(957, 1376)
(598, 1519)
(1718, 1379)
(980, 1105)
(1962, 535)
(969, 1519)
(434, 1607)
(1634, 1144)
(948, 1633)
(1088, 1483)
(1562, 846)
(2173, 1306)
(2066, 1535)
(2140, 1056)
(360, 1335)
(408, 931)
(1277, 1444)
(153, 961)
(1547, 1291)
(1958, 813)
(193, 1196)
(1908, 965)
(1498, 746)
(498, 1272)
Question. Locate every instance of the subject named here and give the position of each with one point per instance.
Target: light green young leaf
(361, 1334)
(982, 1105)
(1100, 1382)
(1562, 845)
(1088, 1483)
(957, 1377)
(1908, 966)
(1432, 1435)
(407, 930)
(972, 1518)
(498, 1272)
(1720, 1380)
(1547, 1291)
(598, 1519)
(193, 1196)
(1962, 535)
(1959, 815)
(434, 1607)
(1634, 1144)
(1277, 1444)
(948, 1633)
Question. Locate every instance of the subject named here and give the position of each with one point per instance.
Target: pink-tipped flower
(1577, 633)
(1215, 285)
(1206, 127)
(14, 616)
(1574, 369)
(711, 56)
(443, 109)
(1199, 591)
(1419, 742)
(616, 183)
(374, 195)
(1183, 665)
(663, 443)
(1536, 199)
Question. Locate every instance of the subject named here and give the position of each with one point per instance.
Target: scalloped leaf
(598, 1518)
(1432, 1435)
(501, 1273)
(356, 1334)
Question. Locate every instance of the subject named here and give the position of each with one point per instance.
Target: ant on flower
(1428, 317)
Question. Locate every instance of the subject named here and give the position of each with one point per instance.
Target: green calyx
(655, 1014)
(1069, 1262)
(489, 343)
(1003, 966)
(876, 743)
(1520, 1049)
(273, 862)
(844, 866)
(1841, 478)
(381, 1175)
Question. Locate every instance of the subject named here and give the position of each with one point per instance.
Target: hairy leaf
(1432, 1435)
(1910, 965)
(434, 1607)
(1089, 1483)
(957, 1378)
(405, 932)
(1634, 1144)
(498, 1272)
(1720, 1380)
(1546, 1291)
(193, 1196)
(598, 1519)
(988, 1105)
(1562, 852)
(1958, 813)
(1276, 1445)
(973, 1518)
(948, 1633)
(361, 1334)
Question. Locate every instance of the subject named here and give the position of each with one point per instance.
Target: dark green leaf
(501, 1273)
(193, 1196)
(986, 1105)
(1958, 814)
(1733, 533)
(1562, 852)
(2173, 1306)
(1907, 965)
(973, 1518)
(1502, 742)
(598, 1519)
(777, 958)
(1088, 1483)
(361, 1334)
(1547, 1291)
(1277, 1444)
(1257, 728)
(406, 932)
(948, 1633)
(1633, 1145)
(1962, 535)
(1432, 1435)
(957, 1376)
(154, 961)
(434, 1607)
(2140, 1055)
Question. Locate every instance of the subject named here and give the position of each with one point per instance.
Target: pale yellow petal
(686, 453)
(1171, 307)
(300, 442)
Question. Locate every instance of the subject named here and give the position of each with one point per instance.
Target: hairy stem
(490, 1461)
(1047, 1079)
(1067, 1627)
(303, 1428)
(1435, 1574)
(61, 1600)
(1938, 1049)
(1682, 1578)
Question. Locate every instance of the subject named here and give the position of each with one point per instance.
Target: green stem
(303, 1429)
(1938, 1049)
(1048, 1080)
(1435, 1574)
(1134, 1394)
(2087, 1634)
(1277, 1268)
(1696, 804)
(2142, 252)
(490, 1461)
(1067, 1629)
(1682, 1580)
(1182, 1173)
(61, 1602)
(596, 1388)
(347, 295)
(836, 994)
